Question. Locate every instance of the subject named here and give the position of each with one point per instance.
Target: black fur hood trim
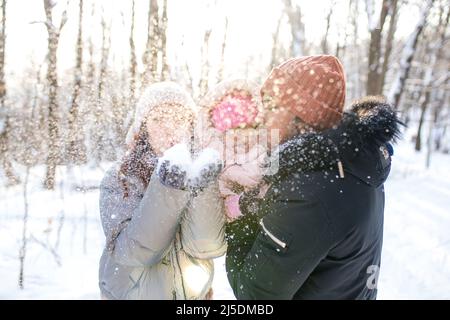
(369, 124)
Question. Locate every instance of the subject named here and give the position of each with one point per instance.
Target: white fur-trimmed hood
(154, 95)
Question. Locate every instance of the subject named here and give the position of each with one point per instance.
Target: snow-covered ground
(65, 237)
(416, 251)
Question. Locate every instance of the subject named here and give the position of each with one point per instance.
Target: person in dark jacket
(318, 231)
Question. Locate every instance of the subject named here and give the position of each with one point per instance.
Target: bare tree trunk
(182, 68)
(190, 83)
(106, 41)
(100, 132)
(53, 156)
(155, 43)
(356, 73)
(2, 55)
(435, 51)
(91, 86)
(91, 63)
(186, 71)
(275, 44)
(23, 248)
(374, 70)
(133, 62)
(204, 76)
(440, 106)
(341, 49)
(165, 70)
(76, 148)
(150, 58)
(4, 132)
(423, 109)
(430, 145)
(53, 130)
(325, 37)
(297, 28)
(393, 12)
(220, 75)
(407, 55)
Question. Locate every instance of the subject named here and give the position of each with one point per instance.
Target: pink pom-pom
(234, 112)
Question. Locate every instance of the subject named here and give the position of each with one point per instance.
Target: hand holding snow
(177, 169)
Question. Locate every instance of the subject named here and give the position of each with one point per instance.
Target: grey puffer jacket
(159, 240)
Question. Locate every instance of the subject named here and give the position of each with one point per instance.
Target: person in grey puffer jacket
(162, 226)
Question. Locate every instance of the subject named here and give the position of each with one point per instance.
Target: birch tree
(220, 73)
(324, 43)
(393, 17)
(407, 55)
(376, 24)
(5, 125)
(100, 130)
(275, 43)
(295, 18)
(76, 147)
(133, 62)
(165, 70)
(205, 67)
(150, 58)
(434, 51)
(54, 32)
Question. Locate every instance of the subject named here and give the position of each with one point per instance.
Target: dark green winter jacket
(318, 234)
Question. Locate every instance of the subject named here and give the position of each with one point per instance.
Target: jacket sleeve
(146, 236)
(203, 225)
(293, 238)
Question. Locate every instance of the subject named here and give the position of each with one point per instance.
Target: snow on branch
(373, 15)
(407, 55)
(48, 7)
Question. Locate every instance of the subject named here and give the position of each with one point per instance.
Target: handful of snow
(180, 156)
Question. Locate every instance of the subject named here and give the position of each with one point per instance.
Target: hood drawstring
(338, 160)
(341, 169)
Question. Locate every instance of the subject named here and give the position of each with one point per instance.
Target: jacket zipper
(271, 236)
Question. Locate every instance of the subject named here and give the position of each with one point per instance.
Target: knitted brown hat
(312, 87)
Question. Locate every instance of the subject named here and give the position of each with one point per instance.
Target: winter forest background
(71, 71)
